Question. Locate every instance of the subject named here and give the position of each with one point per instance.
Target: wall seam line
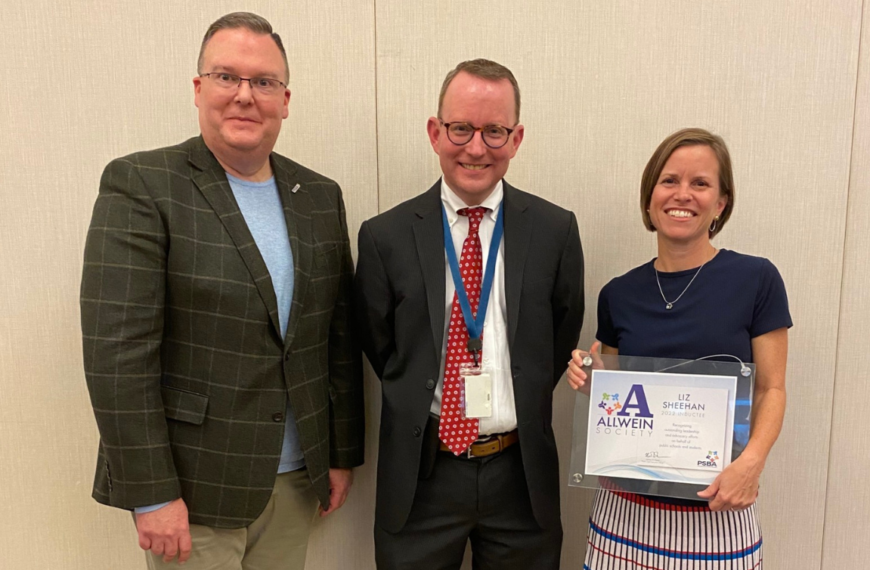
(840, 307)
(377, 108)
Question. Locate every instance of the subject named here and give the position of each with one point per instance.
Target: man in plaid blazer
(218, 352)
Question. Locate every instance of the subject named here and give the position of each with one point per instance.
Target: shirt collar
(453, 203)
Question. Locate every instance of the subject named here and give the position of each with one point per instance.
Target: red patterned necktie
(457, 432)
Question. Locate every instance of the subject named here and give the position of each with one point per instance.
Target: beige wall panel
(603, 83)
(847, 512)
(90, 80)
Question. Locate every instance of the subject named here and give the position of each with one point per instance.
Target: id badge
(477, 384)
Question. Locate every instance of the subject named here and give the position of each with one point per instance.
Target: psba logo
(712, 458)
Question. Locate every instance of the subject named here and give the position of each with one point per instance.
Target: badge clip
(475, 345)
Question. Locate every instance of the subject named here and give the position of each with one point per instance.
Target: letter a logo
(637, 400)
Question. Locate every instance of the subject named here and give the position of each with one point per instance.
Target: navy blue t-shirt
(734, 299)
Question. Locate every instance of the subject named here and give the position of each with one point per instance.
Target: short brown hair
(248, 21)
(484, 69)
(681, 138)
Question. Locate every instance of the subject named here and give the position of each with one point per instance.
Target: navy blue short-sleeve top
(733, 299)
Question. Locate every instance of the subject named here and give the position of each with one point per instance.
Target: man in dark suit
(468, 453)
(216, 319)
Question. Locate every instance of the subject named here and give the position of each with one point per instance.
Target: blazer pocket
(323, 253)
(184, 406)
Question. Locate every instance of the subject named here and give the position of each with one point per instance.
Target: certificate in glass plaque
(660, 426)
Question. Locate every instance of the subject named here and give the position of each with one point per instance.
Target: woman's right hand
(577, 375)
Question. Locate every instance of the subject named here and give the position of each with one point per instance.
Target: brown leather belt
(490, 445)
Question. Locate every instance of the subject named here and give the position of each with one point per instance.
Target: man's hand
(340, 481)
(166, 531)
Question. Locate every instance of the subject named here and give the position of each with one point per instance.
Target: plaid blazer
(187, 371)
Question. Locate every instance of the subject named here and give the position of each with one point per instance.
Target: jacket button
(430, 384)
(417, 431)
(277, 417)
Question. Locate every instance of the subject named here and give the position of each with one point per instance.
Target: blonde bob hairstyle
(681, 138)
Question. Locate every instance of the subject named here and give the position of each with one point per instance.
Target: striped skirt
(630, 532)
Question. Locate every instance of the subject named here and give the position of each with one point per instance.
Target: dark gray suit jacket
(185, 364)
(400, 301)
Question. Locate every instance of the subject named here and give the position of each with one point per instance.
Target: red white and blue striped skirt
(631, 532)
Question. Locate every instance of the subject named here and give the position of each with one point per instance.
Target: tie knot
(474, 217)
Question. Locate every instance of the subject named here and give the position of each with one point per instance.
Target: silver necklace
(670, 304)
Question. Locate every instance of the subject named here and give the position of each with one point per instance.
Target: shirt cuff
(150, 508)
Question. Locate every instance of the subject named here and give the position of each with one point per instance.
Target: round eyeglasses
(262, 85)
(494, 136)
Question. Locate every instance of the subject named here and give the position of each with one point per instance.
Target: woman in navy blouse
(692, 300)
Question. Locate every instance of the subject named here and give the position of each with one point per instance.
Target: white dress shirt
(496, 357)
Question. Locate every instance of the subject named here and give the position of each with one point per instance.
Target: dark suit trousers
(484, 500)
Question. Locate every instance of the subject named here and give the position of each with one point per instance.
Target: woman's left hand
(736, 488)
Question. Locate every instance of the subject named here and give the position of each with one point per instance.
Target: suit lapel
(212, 182)
(517, 234)
(297, 213)
(429, 238)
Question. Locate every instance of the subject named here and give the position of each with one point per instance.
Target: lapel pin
(295, 188)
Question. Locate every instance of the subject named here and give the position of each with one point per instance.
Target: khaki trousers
(277, 540)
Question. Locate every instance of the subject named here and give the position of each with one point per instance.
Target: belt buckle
(488, 439)
(468, 452)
